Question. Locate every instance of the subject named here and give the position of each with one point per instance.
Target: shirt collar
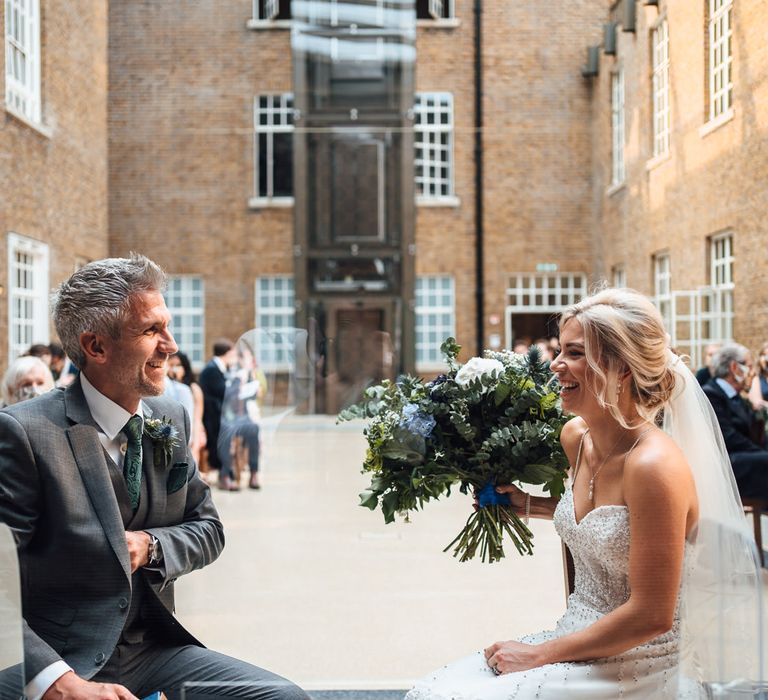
(220, 364)
(730, 392)
(109, 416)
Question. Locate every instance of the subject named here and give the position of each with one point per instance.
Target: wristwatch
(155, 551)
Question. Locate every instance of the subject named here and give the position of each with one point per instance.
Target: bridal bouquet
(495, 420)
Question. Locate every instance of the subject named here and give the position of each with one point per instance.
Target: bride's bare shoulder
(571, 435)
(657, 458)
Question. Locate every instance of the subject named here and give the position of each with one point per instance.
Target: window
(435, 318)
(185, 298)
(275, 322)
(22, 57)
(662, 287)
(271, 10)
(660, 89)
(532, 292)
(434, 9)
(27, 294)
(720, 57)
(617, 127)
(619, 276)
(273, 148)
(722, 284)
(433, 139)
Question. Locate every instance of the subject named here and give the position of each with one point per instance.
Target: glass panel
(11, 645)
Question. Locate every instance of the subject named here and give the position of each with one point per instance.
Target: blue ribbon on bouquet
(488, 496)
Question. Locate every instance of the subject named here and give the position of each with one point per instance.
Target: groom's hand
(71, 687)
(138, 548)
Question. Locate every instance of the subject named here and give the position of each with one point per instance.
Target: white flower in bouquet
(478, 367)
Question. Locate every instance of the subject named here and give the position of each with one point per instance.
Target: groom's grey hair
(721, 360)
(97, 299)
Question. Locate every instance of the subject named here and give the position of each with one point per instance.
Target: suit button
(100, 658)
(122, 603)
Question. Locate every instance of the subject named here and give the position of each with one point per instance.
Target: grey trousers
(192, 673)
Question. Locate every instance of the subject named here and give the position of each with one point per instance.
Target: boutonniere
(164, 436)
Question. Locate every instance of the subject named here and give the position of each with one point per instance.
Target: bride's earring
(618, 390)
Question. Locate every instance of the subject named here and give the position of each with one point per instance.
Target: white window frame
(35, 293)
(618, 172)
(428, 318)
(442, 12)
(279, 113)
(660, 88)
(619, 276)
(22, 58)
(721, 282)
(541, 292)
(286, 313)
(192, 306)
(720, 58)
(662, 286)
(433, 146)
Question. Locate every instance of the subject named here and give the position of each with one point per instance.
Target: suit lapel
(155, 478)
(89, 455)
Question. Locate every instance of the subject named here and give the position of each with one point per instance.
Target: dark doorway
(361, 355)
(531, 327)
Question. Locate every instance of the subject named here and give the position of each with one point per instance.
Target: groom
(108, 509)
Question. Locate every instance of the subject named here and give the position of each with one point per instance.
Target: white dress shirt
(730, 392)
(111, 419)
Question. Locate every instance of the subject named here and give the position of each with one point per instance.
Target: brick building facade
(53, 157)
(644, 167)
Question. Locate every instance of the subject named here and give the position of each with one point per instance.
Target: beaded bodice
(599, 544)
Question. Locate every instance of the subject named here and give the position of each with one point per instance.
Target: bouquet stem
(485, 529)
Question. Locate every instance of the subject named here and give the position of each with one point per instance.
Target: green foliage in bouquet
(495, 420)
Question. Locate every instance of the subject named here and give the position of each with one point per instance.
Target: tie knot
(132, 430)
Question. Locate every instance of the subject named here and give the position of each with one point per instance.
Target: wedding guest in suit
(733, 368)
(108, 509)
(213, 382)
(25, 378)
(704, 374)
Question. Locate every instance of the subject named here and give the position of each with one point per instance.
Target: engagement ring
(495, 670)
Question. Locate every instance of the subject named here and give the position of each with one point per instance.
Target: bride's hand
(516, 498)
(508, 657)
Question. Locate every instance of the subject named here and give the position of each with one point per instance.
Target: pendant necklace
(591, 494)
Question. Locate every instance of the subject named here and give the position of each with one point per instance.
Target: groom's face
(138, 361)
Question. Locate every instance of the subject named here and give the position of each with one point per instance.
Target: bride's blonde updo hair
(623, 331)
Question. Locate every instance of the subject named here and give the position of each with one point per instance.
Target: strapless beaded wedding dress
(600, 548)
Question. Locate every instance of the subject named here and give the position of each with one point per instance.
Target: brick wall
(712, 181)
(53, 180)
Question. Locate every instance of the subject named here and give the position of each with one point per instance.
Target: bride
(654, 523)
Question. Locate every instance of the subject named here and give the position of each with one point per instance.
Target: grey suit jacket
(57, 497)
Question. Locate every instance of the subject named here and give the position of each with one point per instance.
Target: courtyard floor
(318, 589)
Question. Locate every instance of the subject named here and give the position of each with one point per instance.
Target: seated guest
(733, 369)
(704, 374)
(25, 378)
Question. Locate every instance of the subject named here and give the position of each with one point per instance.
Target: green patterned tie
(132, 459)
